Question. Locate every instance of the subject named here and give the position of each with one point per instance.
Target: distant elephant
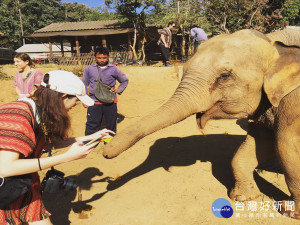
(246, 74)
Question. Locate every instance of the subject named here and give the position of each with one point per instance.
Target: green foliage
(291, 12)
(133, 11)
(100, 13)
(37, 14)
(185, 12)
(74, 12)
(9, 24)
(214, 16)
(232, 15)
(40, 14)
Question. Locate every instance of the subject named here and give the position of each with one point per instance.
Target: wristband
(39, 163)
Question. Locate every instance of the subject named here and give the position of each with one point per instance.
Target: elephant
(246, 74)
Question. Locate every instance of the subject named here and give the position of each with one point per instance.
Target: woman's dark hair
(54, 113)
(101, 50)
(171, 23)
(25, 57)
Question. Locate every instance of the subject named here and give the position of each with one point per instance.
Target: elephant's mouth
(217, 112)
(200, 121)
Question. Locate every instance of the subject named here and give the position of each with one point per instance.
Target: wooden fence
(89, 58)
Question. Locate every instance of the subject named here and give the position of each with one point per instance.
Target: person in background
(109, 74)
(27, 79)
(165, 41)
(22, 141)
(198, 35)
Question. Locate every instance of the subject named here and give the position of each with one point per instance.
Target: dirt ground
(170, 177)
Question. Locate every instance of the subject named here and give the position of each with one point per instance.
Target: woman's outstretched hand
(105, 132)
(79, 150)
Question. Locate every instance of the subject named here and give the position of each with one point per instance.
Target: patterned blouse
(26, 85)
(168, 37)
(17, 134)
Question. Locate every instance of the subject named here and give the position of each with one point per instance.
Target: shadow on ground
(167, 152)
(217, 149)
(60, 203)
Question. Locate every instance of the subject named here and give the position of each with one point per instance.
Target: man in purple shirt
(198, 35)
(109, 74)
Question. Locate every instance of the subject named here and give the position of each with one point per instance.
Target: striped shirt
(168, 37)
(17, 135)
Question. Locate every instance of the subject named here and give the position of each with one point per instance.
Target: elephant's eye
(224, 76)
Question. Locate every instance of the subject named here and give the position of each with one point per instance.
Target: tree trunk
(190, 46)
(143, 50)
(183, 43)
(134, 43)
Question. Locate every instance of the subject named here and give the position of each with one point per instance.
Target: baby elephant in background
(246, 74)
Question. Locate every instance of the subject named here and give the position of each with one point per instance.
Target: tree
(233, 15)
(40, 13)
(9, 24)
(189, 13)
(74, 12)
(100, 13)
(36, 14)
(185, 13)
(291, 12)
(134, 13)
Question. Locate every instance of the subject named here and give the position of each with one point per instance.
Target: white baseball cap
(68, 83)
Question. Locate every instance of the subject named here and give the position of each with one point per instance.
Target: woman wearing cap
(22, 140)
(27, 79)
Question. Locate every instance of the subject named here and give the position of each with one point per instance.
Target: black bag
(11, 188)
(102, 91)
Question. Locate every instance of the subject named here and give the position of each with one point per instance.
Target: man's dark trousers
(165, 53)
(95, 115)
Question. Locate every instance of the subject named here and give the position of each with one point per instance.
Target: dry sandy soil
(170, 177)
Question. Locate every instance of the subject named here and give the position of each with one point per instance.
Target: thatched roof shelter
(86, 28)
(84, 36)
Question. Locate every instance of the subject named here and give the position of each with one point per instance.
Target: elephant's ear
(288, 37)
(284, 76)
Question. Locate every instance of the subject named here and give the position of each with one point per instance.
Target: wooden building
(84, 37)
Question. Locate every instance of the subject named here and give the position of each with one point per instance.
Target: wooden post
(77, 50)
(104, 41)
(62, 47)
(77, 46)
(50, 49)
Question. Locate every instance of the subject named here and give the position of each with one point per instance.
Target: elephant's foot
(244, 191)
(289, 209)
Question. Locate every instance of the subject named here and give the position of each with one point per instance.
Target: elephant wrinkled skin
(246, 74)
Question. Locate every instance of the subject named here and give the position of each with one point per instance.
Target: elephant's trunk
(177, 108)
